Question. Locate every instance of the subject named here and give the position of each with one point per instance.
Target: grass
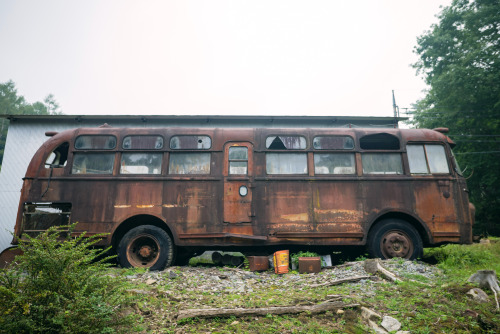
(436, 306)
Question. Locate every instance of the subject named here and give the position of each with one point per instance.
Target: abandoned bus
(163, 194)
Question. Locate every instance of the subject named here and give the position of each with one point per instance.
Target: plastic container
(281, 261)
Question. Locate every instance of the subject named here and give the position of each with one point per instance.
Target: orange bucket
(280, 260)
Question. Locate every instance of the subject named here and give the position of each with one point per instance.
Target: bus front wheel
(395, 238)
(146, 246)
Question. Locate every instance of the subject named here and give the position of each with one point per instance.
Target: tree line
(11, 103)
(459, 59)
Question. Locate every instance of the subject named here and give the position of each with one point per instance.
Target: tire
(395, 238)
(146, 246)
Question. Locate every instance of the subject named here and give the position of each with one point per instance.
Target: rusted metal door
(238, 177)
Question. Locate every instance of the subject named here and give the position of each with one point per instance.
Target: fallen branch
(239, 312)
(373, 266)
(341, 281)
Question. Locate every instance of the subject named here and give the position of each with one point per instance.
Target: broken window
(141, 163)
(286, 163)
(382, 163)
(38, 217)
(238, 160)
(95, 142)
(333, 143)
(379, 141)
(93, 163)
(190, 142)
(189, 163)
(334, 163)
(142, 143)
(58, 157)
(427, 159)
(286, 142)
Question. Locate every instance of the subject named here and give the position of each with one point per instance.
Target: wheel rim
(143, 251)
(396, 244)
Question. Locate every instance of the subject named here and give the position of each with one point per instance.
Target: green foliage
(59, 287)
(13, 104)
(461, 261)
(459, 59)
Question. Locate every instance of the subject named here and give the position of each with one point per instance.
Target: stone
(390, 324)
(172, 275)
(478, 295)
(151, 281)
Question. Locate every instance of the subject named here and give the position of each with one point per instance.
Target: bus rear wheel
(395, 238)
(146, 246)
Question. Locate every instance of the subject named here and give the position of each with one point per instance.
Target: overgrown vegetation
(60, 287)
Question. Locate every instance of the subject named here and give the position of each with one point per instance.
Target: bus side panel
(285, 206)
(435, 203)
(133, 198)
(193, 206)
(384, 196)
(337, 207)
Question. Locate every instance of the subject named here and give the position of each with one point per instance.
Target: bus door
(238, 177)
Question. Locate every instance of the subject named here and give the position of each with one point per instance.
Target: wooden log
(373, 266)
(240, 312)
(341, 281)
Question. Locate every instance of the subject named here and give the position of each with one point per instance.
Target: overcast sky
(215, 57)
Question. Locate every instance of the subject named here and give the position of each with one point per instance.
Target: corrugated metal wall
(26, 135)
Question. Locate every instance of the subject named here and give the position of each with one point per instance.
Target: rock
(484, 241)
(151, 281)
(368, 314)
(403, 332)
(372, 318)
(390, 324)
(172, 275)
(478, 295)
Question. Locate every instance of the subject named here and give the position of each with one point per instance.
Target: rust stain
(304, 217)
(339, 215)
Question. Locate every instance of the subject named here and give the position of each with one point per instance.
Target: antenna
(395, 108)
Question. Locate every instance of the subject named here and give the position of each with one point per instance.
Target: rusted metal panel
(309, 265)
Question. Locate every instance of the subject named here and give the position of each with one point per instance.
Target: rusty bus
(163, 194)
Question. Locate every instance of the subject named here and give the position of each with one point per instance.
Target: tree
(13, 104)
(460, 62)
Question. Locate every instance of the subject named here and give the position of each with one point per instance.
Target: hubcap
(143, 251)
(396, 244)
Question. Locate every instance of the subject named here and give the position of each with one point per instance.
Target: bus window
(286, 142)
(141, 163)
(95, 142)
(334, 163)
(382, 163)
(427, 159)
(379, 141)
(142, 143)
(286, 163)
(93, 163)
(189, 163)
(58, 157)
(238, 160)
(190, 142)
(333, 143)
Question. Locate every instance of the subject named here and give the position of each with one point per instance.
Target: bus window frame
(448, 155)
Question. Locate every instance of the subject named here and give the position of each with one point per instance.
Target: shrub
(58, 286)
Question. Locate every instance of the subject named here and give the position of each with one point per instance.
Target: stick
(341, 281)
(373, 266)
(239, 312)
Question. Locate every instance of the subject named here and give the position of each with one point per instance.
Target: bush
(58, 286)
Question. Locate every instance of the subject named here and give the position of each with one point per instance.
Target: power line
(485, 152)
